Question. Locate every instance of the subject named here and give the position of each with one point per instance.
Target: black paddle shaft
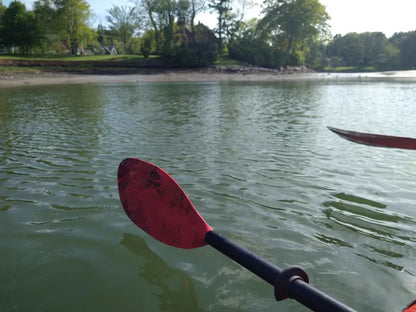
(288, 283)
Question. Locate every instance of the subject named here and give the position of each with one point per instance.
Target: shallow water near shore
(259, 165)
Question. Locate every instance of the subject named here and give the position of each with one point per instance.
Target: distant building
(110, 50)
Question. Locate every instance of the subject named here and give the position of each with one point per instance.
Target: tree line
(290, 32)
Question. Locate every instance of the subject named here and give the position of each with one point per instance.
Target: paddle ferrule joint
(286, 278)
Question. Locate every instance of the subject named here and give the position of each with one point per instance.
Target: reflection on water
(176, 291)
(256, 160)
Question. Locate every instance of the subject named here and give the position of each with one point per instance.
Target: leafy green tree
(18, 28)
(160, 16)
(365, 49)
(170, 21)
(146, 8)
(105, 36)
(135, 45)
(247, 29)
(2, 9)
(195, 7)
(148, 43)
(199, 51)
(246, 46)
(230, 16)
(255, 52)
(316, 57)
(46, 19)
(73, 17)
(378, 51)
(349, 48)
(406, 43)
(223, 9)
(292, 24)
(182, 12)
(124, 22)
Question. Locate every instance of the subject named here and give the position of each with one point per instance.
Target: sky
(346, 15)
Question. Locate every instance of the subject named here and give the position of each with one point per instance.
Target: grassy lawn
(121, 58)
(87, 69)
(140, 64)
(223, 60)
(350, 69)
(79, 66)
(226, 61)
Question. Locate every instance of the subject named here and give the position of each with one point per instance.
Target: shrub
(197, 54)
(254, 52)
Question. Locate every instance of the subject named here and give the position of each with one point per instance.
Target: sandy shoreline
(8, 80)
(45, 78)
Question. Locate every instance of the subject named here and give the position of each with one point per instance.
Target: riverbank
(217, 73)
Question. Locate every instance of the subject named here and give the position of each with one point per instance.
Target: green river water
(259, 165)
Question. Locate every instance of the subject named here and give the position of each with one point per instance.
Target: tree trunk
(289, 46)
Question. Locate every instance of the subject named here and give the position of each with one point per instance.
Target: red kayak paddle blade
(411, 307)
(376, 139)
(157, 204)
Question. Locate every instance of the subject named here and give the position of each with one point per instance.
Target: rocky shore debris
(238, 69)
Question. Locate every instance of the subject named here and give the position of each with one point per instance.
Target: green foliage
(163, 16)
(365, 49)
(230, 24)
(405, 42)
(135, 45)
(2, 9)
(292, 32)
(316, 56)
(194, 49)
(224, 18)
(146, 45)
(349, 69)
(18, 28)
(46, 20)
(255, 52)
(72, 16)
(196, 54)
(149, 43)
(123, 23)
(349, 49)
(291, 25)
(105, 36)
(95, 47)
